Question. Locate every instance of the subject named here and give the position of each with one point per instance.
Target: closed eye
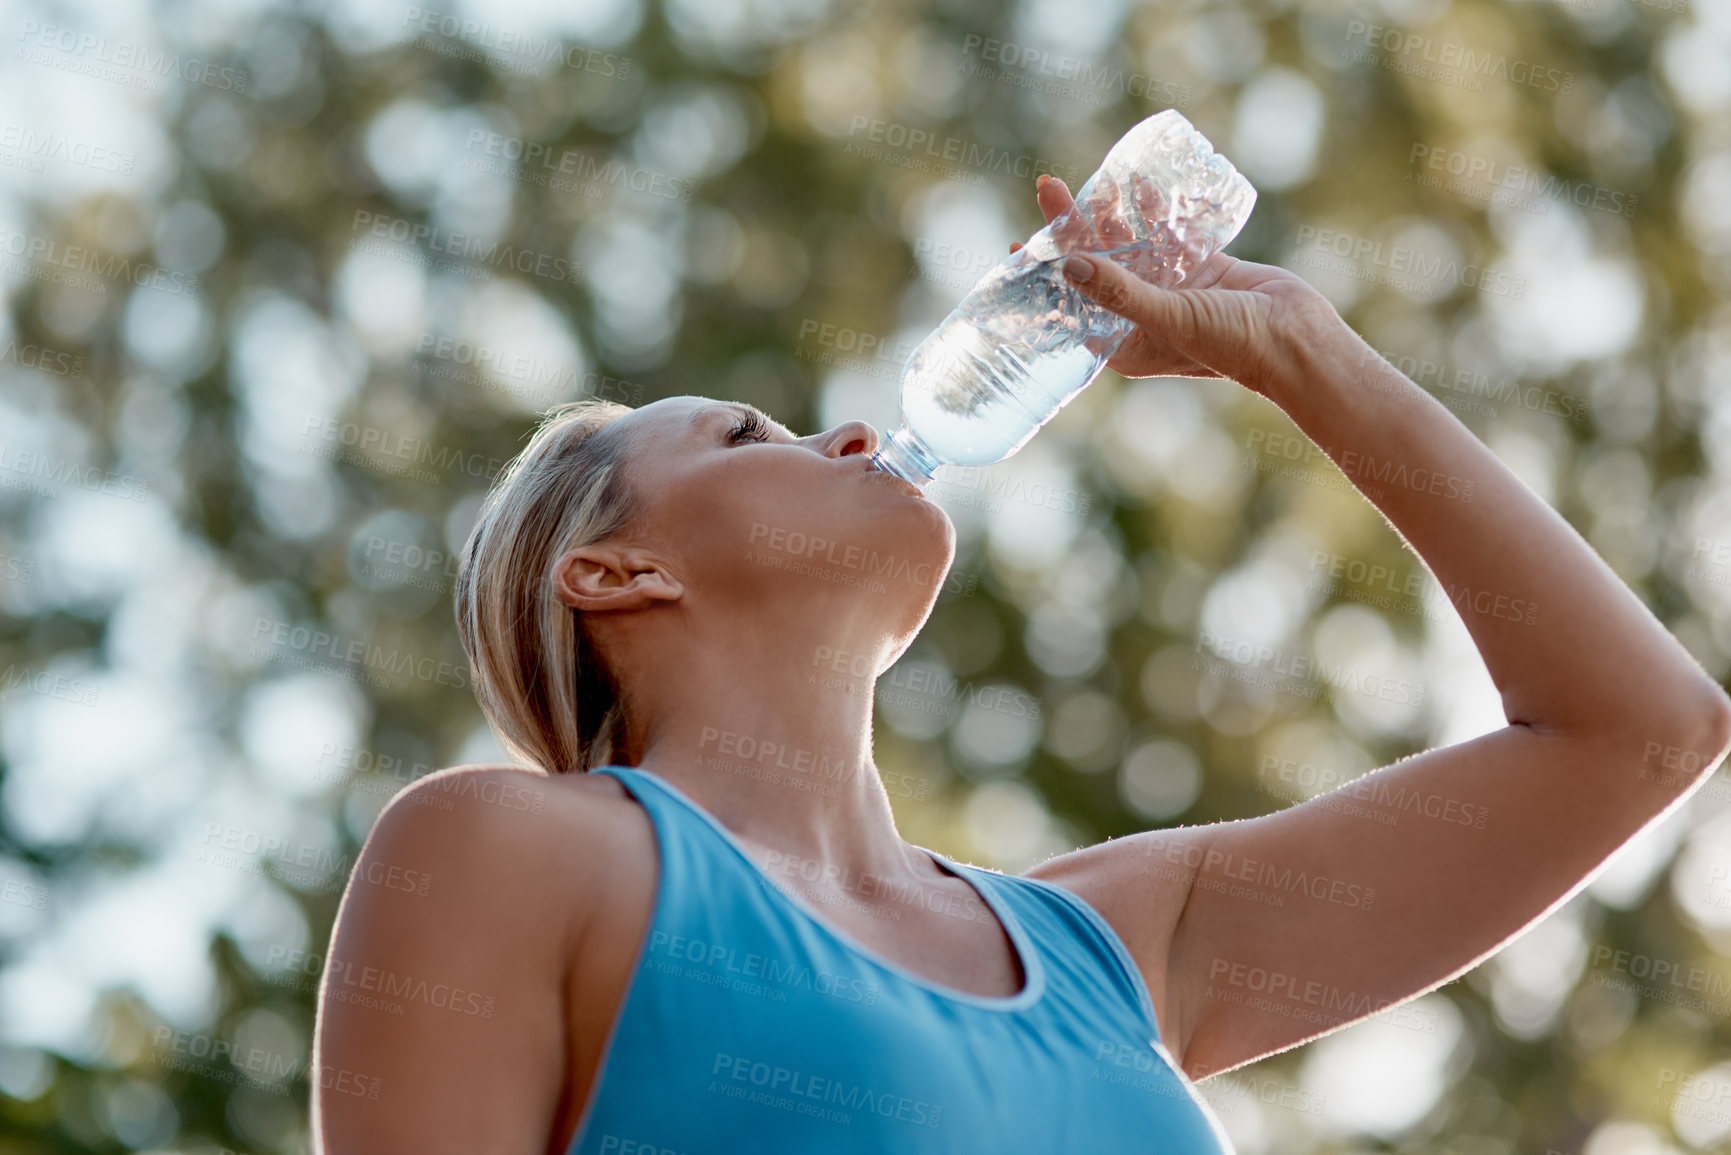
(751, 427)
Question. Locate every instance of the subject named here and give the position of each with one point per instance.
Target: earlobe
(597, 577)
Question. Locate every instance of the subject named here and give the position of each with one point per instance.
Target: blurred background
(286, 284)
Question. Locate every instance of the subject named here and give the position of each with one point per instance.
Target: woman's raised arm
(1610, 721)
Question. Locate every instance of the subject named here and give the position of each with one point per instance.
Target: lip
(872, 470)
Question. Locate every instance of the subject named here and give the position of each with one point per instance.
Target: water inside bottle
(1025, 341)
(1017, 349)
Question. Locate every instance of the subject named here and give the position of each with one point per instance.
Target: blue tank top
(750, 1026)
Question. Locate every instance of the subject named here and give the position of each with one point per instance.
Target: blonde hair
(535, 671)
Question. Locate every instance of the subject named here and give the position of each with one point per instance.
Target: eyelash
(750, 428)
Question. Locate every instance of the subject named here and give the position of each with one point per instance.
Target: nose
(848, 438)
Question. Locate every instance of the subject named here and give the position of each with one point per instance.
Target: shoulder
(482, 907)
(510, 827)
(512, 797)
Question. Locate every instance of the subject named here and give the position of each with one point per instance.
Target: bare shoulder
(461, 963)
(562, 826)
(513, 797)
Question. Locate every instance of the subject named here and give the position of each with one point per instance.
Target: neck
(773, 737)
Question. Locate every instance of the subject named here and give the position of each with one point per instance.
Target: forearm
(1567, 644)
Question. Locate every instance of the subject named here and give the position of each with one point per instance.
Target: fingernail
(1079, 269)
(1040, 181)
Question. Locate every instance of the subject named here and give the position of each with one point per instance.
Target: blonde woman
(693, 927)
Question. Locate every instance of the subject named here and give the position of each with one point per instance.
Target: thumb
(1166, 314)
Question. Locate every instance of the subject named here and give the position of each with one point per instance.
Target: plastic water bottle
(1025, 341)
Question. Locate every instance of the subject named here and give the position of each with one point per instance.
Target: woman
(699, 930)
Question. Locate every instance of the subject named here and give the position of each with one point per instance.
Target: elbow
(1700, 738)
(1718, 714)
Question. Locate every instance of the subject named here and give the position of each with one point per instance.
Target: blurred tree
(285, 287)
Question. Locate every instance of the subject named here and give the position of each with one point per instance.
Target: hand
(1231, 318)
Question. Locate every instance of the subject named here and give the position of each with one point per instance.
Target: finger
(1115, 231)
(1165, 314)
(1014, 245)
(1054, 197)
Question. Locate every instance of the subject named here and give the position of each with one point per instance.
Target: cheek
(730, 512)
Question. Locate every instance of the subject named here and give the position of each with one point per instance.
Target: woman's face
(728, 495)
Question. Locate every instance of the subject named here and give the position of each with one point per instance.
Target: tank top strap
(1078, 943)
(700, 877)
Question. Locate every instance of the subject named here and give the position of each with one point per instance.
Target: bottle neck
(905, 455)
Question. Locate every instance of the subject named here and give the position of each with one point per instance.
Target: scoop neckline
(1033, 969)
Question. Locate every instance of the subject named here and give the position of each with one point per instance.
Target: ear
(613, 577)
